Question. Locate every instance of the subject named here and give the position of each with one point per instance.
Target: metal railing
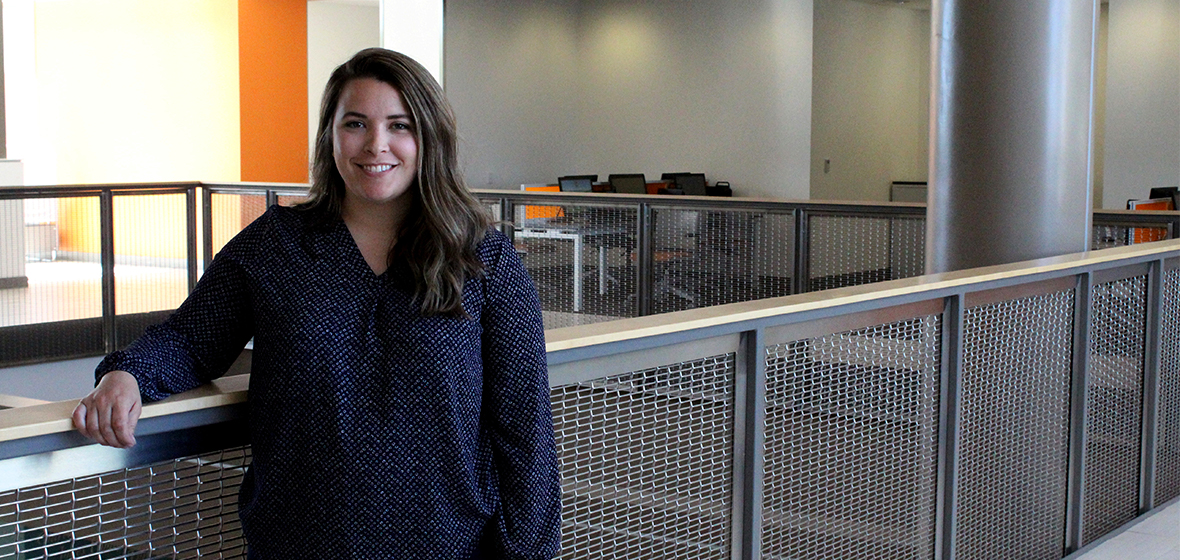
(594, 257)
(1018, 411)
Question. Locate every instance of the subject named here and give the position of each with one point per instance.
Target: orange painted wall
(272, 65)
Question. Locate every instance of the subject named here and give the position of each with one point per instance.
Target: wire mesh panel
(851, 444)
(852, 250)
(583, 260)
(1014, 429)
(151, 261)
(185, 508)
(907, 247)
(231, 213)
(705, 257)
(1105, 237)
(290, 199)
(1114, 406)
(51, 297)
(493, 207)
(647, 462)
(1167, 476)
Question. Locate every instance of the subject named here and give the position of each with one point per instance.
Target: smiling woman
(399, 394)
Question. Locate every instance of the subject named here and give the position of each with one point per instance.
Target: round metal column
(1010, 131)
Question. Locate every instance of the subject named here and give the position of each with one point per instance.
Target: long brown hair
(445, 222)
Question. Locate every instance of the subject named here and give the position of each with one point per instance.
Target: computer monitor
(1167, 192)
(693, 184)
(629, 183)
(577, 183)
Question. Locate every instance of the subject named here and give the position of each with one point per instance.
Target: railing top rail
(55, 417)
(626, 335)
(843, 206)
(57, 191)
(257, 186)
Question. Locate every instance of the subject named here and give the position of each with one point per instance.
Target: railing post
(950, 396)
(272, 198)
(1152, 342)
(643, 273)
(749, 446)
(207, 226)
(190, 197)
(106, 228)
(507, 219)
(802, 251)
(506, 224)
(1075, 497)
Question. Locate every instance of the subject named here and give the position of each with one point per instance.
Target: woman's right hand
(109, 413)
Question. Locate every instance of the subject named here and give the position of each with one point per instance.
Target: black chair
(629, 183)
(1167, 192)
(577, 183)
(692, 184)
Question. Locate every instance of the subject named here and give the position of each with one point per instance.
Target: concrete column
(1010, 128)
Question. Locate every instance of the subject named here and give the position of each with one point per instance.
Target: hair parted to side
(445, 222)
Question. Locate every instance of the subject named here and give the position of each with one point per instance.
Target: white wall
(335, 32)
(1142, 140)
(12, 225)
(415, 28)
(870, 99)
(546, 88)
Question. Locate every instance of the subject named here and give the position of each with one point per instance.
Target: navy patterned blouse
(376, 432)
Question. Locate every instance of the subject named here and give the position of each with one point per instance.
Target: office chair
(629, 183)
(577, 183)
(693, 184)
(671, 180)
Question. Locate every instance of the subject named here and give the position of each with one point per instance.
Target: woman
(399, 402)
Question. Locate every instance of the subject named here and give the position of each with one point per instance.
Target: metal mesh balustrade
(1014, 429)
(1106, 237)
(583, 259)
(231, 213)
(705, 257)
(1114, 406)
(647, 462)
(185, 508)
(1167, 475)
(852, 250)
(151, 261)
(851, 444)
(51, 305)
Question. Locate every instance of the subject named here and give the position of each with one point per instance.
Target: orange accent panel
(272, 70)
(531, 212)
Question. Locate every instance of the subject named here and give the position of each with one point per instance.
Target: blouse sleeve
(198, 342)
(516, 402)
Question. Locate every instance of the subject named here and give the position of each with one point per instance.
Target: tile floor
(65, 290)
(1156, 537)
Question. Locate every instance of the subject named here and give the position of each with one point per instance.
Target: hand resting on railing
(108, 415)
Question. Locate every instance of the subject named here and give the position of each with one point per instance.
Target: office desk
(578, 233)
